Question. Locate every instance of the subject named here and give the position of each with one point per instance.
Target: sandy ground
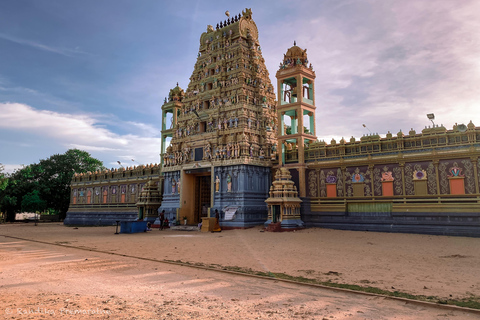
(38, 279)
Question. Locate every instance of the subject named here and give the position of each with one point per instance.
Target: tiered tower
(296, 111)
(224, 138)
(148, 201)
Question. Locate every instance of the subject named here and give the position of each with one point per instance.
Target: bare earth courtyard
(45, 281)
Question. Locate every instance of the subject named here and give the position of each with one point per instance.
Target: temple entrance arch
(195, 194)
(203, 189)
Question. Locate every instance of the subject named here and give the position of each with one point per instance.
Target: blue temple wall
(249, 190)
(100, 216)
(171, 195)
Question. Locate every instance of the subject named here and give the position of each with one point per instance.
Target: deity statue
(229, 183)
(236, 147)
(229, 148)
(217, 184)
(207, 151)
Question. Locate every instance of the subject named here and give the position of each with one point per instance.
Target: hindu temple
(233, 142)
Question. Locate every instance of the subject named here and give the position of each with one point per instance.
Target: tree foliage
(3, 178)
(31, 202)
(46, 184)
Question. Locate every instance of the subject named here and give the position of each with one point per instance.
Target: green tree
(56, 176)
(20, 183)
(50, 178)
(31, 202)
(3, 178)
(8, 204)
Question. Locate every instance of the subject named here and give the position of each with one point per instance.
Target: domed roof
(295, 56)
(151, 184)
(176, 94)
(296, 52)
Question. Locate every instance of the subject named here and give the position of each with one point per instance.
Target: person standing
(217, 228)
(162, 218)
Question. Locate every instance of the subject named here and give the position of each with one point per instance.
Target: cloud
(10, 168)
(387, 63)
(83, 131)
(62, 51)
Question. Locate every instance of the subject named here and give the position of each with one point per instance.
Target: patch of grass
(471, 302)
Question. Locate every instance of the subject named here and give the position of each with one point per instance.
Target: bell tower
(295, 111)
(170, 113)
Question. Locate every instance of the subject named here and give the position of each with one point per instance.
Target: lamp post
(431, 117)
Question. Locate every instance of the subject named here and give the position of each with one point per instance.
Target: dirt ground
(446, 267)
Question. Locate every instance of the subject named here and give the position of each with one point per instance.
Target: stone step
(184, 228)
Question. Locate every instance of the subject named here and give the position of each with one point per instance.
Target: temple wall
(249, 190)
(171, 194)
(102, 198)
(432, 190)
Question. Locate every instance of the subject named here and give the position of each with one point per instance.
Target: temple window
(308, 122)
(289, 123)
(288, 91)
(166, 139)
(307, 91)
(167, 121)
(202, 126)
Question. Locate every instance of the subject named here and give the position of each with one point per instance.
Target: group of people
(164, 222)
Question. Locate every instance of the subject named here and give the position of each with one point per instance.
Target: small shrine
(283, 203)
(149, 201)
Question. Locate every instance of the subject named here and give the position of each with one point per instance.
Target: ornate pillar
(402, 166)
(437, 178)
(370, 168)
(474, 160)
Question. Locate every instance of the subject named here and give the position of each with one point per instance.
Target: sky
(93, 74)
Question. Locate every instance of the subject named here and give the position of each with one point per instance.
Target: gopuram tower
(223, 131)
